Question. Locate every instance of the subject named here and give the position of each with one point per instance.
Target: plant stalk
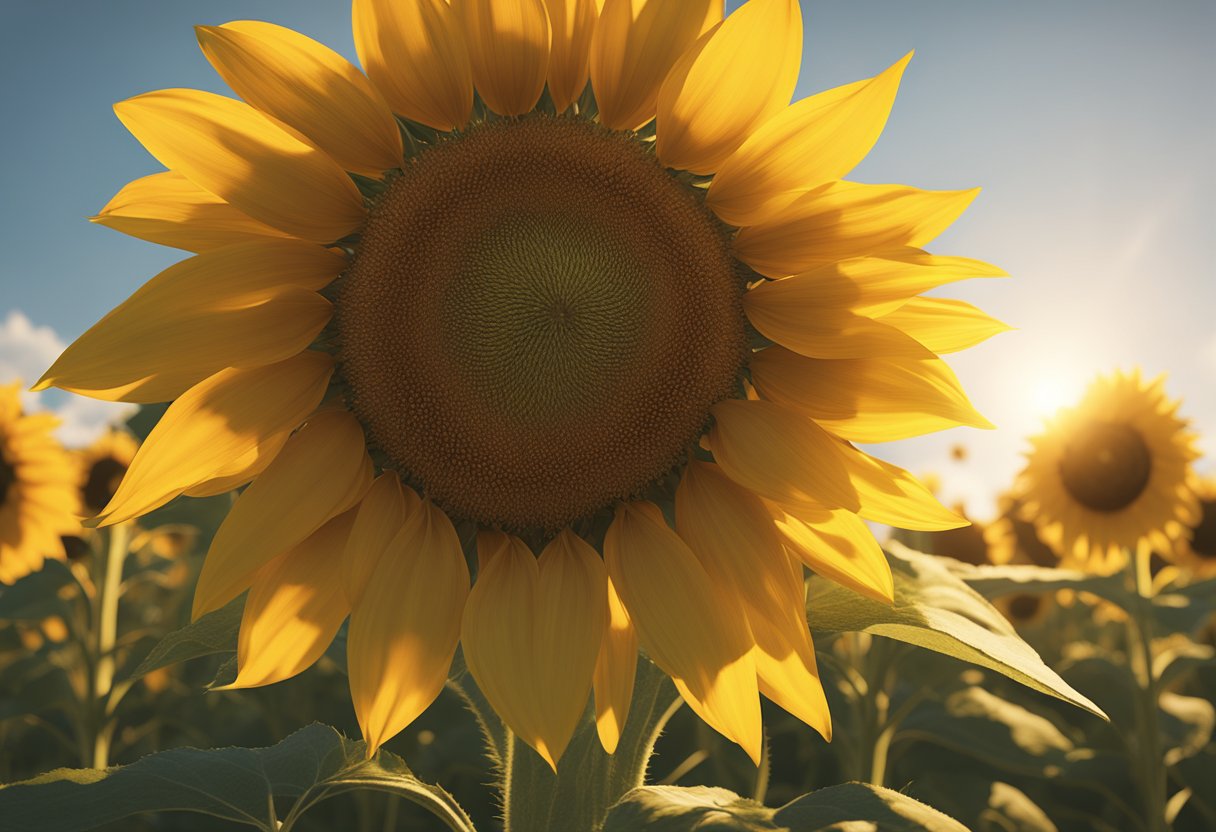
(108, 592)
(1148, 729)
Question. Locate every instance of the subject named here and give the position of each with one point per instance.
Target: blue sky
(1088, 123)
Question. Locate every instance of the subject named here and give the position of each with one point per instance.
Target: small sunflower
(1111, 474)
(555, 277)
(38, 499)
(103, 465)
(1014, 540)
(1196, 550)
(968, 544)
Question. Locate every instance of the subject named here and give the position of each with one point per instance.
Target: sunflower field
(557, 416)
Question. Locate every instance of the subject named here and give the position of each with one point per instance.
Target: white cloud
(26, 351)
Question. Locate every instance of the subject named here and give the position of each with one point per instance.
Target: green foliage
(215, 632)
(937, 610)
(674, 809)
(242, 785)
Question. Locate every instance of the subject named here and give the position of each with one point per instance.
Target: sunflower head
(38, 499)
(1111, 474)
(566, 292)
(103, 465)
(1195, 551)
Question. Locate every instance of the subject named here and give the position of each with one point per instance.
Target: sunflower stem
(1140, 657)
(108, 592)
(588, 781)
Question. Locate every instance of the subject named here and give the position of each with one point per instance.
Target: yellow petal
(571, 614)
(866, 399)
(891, 495)
(322, 471)
(246, 467)
(381, 515)
(170, 210)
(842, 220)
(415, 53)
(692, 628)
(634, 46)
(498, 628)
(308, 87)
(818, 330)
(230, 149)
(732, 533)
(244, 305)
(573, 22)
(839, 546)
(787, 670)
(812, 141)
(615, 669)
(871, 286)
(221, 422)
(404, 630)
(729, 83)
(294, 609)
(509, 49)
(943, 324)
(779, 454)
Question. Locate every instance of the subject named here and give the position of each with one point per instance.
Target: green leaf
(39, 594)
(937, 610)
(982, 725)
(215, 632)
(1014, 579)
(985, 806)
(236, 784)
(680, 809)
(834, 807)
(1187, 723)
(703, 809)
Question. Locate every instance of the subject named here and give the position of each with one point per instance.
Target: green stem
(588, 781)
(1140, 655)
(108, 592)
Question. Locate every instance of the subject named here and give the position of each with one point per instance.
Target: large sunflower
(549, 279)
(38, 498)
(1111, 474)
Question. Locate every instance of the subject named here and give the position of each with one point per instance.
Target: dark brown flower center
(8, 477)
(537, 320)
(1106, 466)
(101, 482)
(1022, 607)
(1203, 536)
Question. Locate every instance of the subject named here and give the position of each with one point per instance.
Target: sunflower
(102, 466)
(1011, 539)
(549, 279)
(38, 500)
(1111, 474)
(968, 544)
(1196, 550)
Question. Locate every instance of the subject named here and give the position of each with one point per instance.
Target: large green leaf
(215, 632)
(937, 610)
(236, 784)
(848, 806)
(985, 805)
(980, 724)
(836, 808)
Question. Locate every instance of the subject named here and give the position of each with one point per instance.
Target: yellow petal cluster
(708, 584)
